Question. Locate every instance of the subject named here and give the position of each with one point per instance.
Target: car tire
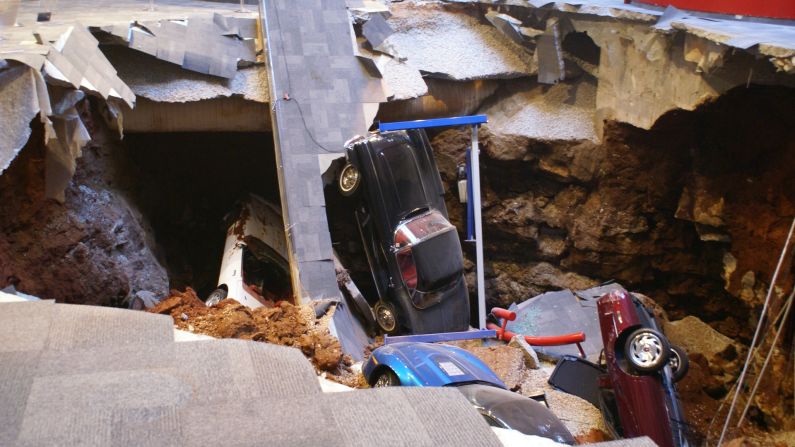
(215, 297)
(386, 317)
(679, 363)
(647, 350)
(386, 378)
(349, 180)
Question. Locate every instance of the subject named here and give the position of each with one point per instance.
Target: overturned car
(412, 249)
(254, 268)
(634, 383)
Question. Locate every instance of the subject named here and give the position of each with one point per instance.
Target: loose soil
(283, 324)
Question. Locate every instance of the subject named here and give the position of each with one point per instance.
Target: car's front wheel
(215, 297)
(647, 350)
(386, 378)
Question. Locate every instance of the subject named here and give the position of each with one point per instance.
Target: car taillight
(408, 270)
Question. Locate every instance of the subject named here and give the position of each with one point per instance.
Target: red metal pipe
(505, 314)
(555, 340)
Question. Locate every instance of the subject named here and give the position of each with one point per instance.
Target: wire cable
(767, 359)
(751, 348)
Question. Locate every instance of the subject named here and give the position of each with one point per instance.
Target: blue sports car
(426, 364)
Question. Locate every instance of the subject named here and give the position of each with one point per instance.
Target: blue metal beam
(445, 336)
(470, 120)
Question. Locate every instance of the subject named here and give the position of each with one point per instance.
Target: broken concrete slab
(697, 337)
(565, 111)
(162, 81)
(510, 26)
(376, 30)
(530, 356)
(400, 79)
(451, 44)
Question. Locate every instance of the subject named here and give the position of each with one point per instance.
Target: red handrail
(555, 340)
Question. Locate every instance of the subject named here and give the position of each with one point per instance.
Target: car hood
(426, 364)
(516, 412)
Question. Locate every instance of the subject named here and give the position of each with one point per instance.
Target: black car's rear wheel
(349, 180)
(386, 317)
(678, 362)
(647, 350)
(386, 378)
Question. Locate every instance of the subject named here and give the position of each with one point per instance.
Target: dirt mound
(282, 324)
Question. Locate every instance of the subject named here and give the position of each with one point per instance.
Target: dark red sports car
(634, 383)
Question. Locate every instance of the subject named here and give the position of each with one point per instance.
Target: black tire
(679, 363)
(349, 180)
(647, 350)
(215, 297)
(386, 378)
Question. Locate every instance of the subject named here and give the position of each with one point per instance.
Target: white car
(254, 268)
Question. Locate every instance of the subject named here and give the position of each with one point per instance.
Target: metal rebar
(741, 379)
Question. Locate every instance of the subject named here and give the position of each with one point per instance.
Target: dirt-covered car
(254, 268)
(412, 249)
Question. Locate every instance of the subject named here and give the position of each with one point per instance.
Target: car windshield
(406, 184)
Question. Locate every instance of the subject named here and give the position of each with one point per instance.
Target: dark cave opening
(186, 183)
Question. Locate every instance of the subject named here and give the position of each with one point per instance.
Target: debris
(143, 299)
(510, 26)
(549, 51)
(283, 324)
(697, 337)
(507, 362)
(530, 356)
(451, 44)
(376, 30)
(565, 111)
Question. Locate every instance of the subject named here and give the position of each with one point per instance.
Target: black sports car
(412, 249)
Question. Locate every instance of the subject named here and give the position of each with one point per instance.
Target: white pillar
(475, 160)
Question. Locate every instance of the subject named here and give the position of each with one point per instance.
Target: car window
(401, 165)
(419, 228)
(264, 271)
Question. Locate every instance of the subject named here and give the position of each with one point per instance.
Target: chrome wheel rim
(385, 317)
(674, 361)
(349, 178)
(383, 381)
(645, 350)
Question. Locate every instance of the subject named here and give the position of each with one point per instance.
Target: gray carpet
(79, 375)
(38, 325)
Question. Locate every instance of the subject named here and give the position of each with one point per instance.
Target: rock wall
(692, 212)
(91, 249)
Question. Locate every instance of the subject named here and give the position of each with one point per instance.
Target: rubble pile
(509, 363)
(283, 324)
